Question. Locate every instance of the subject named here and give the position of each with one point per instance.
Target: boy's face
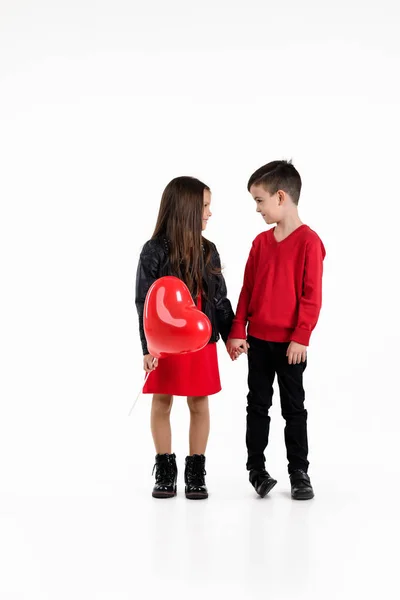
(269, 206)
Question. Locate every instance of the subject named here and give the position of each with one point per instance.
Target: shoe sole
(309, 497)
(265, 488)
(164, 494)
(196, 496)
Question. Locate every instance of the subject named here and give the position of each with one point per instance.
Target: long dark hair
(180, 222)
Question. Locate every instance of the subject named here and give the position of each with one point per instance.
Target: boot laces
(164, 471)
(196, 472)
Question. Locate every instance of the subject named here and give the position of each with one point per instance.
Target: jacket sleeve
(240, 322)
(147, 272)
(224, 312)
(311, 299)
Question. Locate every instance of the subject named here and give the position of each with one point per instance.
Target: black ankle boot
(301, 485)
(166, 476)
(194, 477)
(261, 481)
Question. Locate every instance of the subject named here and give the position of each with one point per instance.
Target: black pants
(265, 360)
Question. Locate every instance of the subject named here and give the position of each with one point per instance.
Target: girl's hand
(149, 363)
(236, 347)
(296, 353)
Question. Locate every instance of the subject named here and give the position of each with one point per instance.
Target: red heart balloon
(172, 322)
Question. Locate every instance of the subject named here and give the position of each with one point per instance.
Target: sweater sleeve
(311, 299)
(238, 330)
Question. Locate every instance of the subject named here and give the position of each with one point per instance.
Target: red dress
(193, 374)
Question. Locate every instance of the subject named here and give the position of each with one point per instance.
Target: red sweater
(282, 289)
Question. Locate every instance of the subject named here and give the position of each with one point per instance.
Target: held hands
(236, 347)
(149, 363)
(296, 353)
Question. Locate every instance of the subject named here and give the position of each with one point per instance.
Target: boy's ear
(281, 196)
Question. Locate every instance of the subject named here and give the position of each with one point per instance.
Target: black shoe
(261, 481)
(166, 476)
(194, 477)
(301, 485)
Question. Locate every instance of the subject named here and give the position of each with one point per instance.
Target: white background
(102, 103)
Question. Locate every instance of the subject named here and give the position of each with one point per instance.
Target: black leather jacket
(154, 263)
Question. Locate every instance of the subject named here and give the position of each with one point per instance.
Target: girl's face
(206, 212)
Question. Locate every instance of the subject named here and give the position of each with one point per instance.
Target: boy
(280, 303)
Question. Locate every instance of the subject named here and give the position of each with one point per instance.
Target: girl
(178, 248)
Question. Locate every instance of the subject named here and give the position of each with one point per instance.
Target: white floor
(77, 520)
(94, 536)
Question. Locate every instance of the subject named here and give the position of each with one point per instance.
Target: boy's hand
(149, 363)
(236, 347)
(296, 353)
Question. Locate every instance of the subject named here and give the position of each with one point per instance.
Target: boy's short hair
(278, 175)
